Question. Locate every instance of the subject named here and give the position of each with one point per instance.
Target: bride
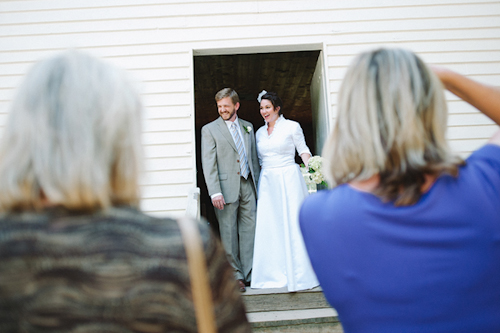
(280, 258)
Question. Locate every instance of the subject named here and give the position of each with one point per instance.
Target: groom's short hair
(227, 92)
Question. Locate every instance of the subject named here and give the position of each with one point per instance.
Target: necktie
(239, 146)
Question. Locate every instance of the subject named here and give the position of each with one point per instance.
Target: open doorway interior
(294, 76)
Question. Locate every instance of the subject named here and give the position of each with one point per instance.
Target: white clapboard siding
(154, 40)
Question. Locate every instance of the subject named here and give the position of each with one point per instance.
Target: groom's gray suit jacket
(220, 158)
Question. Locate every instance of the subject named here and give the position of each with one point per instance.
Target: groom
(231, 170)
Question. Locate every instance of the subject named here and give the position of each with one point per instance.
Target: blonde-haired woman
(408, 239)
(76, 254)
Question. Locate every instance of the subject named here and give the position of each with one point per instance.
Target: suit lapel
(225, 132)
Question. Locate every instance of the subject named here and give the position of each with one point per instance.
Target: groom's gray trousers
(237, 227)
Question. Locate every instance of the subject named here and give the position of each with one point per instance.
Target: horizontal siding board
(180, 59)
(464, 57)
(471, 132)
(6, 94)
(444, 58)
(466, 145)
(335, 84)
(165, 191)
(3, 117)
(160, 73)
(460, 107)
(173, 124)
(168, 163)
(174, 213)
(80, 40)
(10, 81)
(269, 5)
(163, 204)
(166, 137)
(172, 85)
(465, 69)
(169, 111)
(14, 69)
(104, 51)
(132, 63)
(4, 106)
(12, 6)
(477, 68)
(167, 98)
(469, 119)
(437, 47)
(168, 177)
(179, 149)
(397, 37)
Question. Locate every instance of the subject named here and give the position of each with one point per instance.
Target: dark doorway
(289, 74)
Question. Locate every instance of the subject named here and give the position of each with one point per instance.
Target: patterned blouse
(117, 270)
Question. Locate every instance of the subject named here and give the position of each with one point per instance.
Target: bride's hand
(305, 158)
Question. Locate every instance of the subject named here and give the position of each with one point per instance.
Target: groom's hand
(218, 202)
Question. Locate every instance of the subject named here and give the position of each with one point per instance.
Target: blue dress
(430, 267)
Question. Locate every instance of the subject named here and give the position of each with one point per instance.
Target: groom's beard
(226, 115)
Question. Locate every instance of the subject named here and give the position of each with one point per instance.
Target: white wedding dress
(280, 258)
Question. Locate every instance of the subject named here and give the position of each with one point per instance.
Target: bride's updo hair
(274, 99)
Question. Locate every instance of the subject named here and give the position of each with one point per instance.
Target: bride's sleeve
(299, 141)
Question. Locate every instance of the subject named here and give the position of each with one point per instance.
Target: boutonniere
(247, 129)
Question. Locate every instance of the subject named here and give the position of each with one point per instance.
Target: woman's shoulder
(119, 219)
(291, 125)
(316, 200)
(484, 161)
(482, 170)
(168, 224)
(325, 200)
(318, 209)
(289, 122)
(172, 226)
(489, 152)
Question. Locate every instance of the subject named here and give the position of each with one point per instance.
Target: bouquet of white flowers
(315, 170)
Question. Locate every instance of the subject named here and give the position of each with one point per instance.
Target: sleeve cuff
(215, 195)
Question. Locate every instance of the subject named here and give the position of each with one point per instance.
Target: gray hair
(72, 137)
(391, 121)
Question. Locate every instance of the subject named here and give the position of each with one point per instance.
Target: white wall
(155, 40)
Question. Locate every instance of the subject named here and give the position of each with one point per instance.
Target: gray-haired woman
(76, 254)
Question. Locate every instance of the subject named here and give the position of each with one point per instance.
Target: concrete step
(277, 310)
(257, 300)
(295, 321)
